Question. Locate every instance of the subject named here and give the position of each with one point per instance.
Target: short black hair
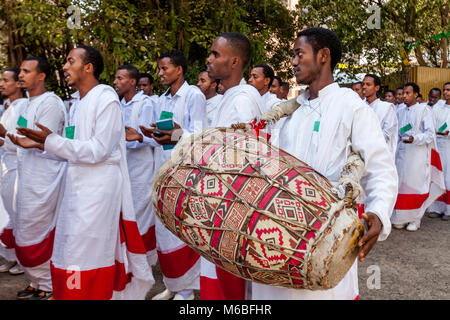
(133, 72)
(240, 43)
(147, 75)
(42, 65)
(357, 82)
(285, 85)
(414, 85)
(267, 70)
(391, 91)
(16, 72)
(320, 38)
(435, 89)
(399, 88)
(278, 78)
(177, 58)
(446, 84)
(94, 57)
(420, 96)
(376, 79)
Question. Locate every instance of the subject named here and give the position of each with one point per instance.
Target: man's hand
(25, 142)
(36, 135)
(444, 133)
(2, 131)
(369, 239)
(132, 134)
(170, 137)
(409, 140)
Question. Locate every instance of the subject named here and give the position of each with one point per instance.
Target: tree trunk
(444, 10)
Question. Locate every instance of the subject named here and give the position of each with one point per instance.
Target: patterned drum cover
(256, 211)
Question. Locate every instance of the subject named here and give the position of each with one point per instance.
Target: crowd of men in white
(76, 176)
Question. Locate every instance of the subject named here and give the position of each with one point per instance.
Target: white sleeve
(107, 135)
(390, 129)
(380, 180)
(427, 130)
(146, 117)
(195, 112)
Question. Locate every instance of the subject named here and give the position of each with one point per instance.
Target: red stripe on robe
(36, 254)
(436, 159)
(129, 233)
(176, 263)
(149, 239)
(226, 287)
(445, 197)
(95, 284)
(7, 238)
(410, 201)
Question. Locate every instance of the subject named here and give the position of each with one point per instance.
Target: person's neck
(318, 84)
(371, 99)
(176, 85)
(129, 94)
(447, 101)
(232, 81)
(410, 105)
(210, 95)
(13, 97)
(263, 91)
(86, 85)
(34, 92)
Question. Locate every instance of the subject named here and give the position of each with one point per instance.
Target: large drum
(256, 211)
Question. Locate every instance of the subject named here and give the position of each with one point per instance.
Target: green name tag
(22, 122)
(70, 132)
(406, 128)
(316, 126)
(443, 127)
(166, 115)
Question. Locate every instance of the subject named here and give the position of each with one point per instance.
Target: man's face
(8, 85)
(369, 88)
(220, 60)
(284, 91)
(446, 92)
(168, 72)
(123, 83)
(204, 82)
(433, 97)
(30, 76)
(357, 87)
(409, 96)
(145, 85)
(275, 87)
(306, 68)
(399, 96)
(258, 80)
(389, 97)
(74, 69)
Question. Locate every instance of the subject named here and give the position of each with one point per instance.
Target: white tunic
(387, 115)
(417, 180)
(96, 201)
(346, 123)
(141, 167)
(212, 105)
(270, 100)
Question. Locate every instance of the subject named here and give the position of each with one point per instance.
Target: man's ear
(235, 62)
(89, 68)
(324, 55)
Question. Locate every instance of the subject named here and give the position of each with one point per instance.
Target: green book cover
(166, 115)
(443, 127)
(70, 132)
(406, 128)
(22, 122)
(316, 126)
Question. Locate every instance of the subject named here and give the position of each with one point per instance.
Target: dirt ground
(408, 265)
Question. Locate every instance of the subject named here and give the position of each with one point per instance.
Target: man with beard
(39, 179)
(261, 77)
(14, 105)
(208, 86)
(98, 252)
(330, 122)
(229, 55)
(138, 110)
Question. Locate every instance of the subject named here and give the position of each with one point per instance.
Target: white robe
(421, 179)
(240, 104)
(39, 180)
(97, 238)
(141, 168)
(387, 115)
(212, 105)
(345, 122)
(270, 100)
(441, 113)
(180, 264)
(8, 176)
